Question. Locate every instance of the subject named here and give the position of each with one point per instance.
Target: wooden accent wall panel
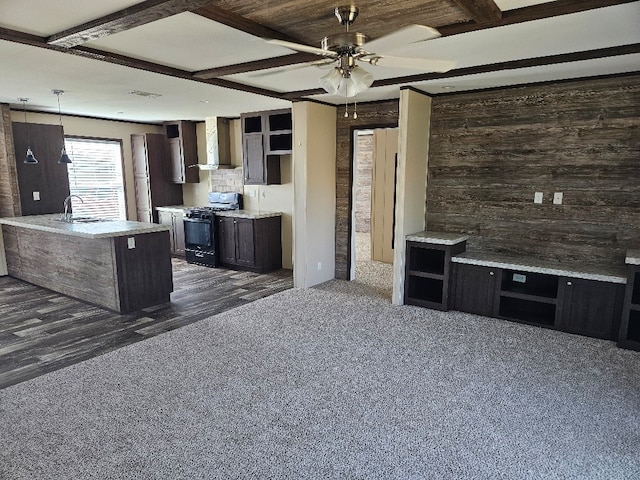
(75, 266)
(490, 151)
(370, 115)
(9, 193)
(48, 176)
(363, 179)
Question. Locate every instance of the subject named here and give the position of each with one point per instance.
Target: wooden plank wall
(370, 115)
(9, 193)
(490, 151)
(363, 176)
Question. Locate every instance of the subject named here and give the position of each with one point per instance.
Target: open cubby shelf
(633, 330)
(525, 296)
(427, 260)
(529, 311)
(279, 121)
(172, 130)
(527, 283)
(425, 289)
(281, 142)
(635, 294)
(253, 124)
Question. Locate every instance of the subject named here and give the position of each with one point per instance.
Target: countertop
(173, 208)
(526, 264)
(255, 214)
(440, 238)
(102, 229)
(633, 257)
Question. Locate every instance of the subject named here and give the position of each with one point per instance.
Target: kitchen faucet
(66, 216)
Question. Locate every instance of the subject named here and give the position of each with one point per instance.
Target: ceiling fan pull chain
(346, 107)
(355, 108)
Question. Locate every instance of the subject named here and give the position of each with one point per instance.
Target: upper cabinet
(265, 136)
(183, 151)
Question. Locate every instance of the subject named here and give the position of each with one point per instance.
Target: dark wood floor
(42, 331)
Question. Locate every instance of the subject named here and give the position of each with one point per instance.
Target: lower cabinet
(474, 289)
(585, 307)
(630, 326)
(175, 219)
(250, 243)
(590, 307)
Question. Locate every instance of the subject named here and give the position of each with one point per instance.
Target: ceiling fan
(347, 78)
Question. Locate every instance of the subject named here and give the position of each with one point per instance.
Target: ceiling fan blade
(399, 38)
(288, 68)
(423, 64)
(303, 48)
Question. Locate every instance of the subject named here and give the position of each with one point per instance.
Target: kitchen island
(117, 264)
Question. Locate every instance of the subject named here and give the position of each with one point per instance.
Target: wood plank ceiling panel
(310, 21)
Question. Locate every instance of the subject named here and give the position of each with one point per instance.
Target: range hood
(218, 144)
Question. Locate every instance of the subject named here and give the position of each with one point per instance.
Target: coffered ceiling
(189, 59)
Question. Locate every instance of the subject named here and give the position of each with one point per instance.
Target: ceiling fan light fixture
(331, 81)
(361, 79)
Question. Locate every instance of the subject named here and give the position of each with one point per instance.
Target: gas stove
(200, 231)
(218, 202)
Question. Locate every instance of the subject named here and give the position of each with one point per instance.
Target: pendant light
(29, 158)
(64, 158)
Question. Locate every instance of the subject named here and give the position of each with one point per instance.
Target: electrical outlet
(252, 193)
(131, 243)
(537, 197)
(557, 198)
(319, 266)
(36, 196)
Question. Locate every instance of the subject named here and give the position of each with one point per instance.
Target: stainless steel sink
(81, 220)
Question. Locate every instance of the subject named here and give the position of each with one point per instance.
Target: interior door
(385, 150)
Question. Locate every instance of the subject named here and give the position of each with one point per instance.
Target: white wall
(91, 127)
(314, 172)
(411, 192)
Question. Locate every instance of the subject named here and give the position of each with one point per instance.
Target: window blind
(96, 176)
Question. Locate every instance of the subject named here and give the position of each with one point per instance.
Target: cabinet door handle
(491, 273)
(569, 283)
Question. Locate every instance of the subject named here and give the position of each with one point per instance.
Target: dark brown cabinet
(182, 149)
(590, 307)
(250, 244)
(630, 326)
(427, 273)
(265, 136)
(474, 288)
(174, 219)
(152, 188)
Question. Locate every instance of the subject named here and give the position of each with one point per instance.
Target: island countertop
(255, 214)
(101, 229)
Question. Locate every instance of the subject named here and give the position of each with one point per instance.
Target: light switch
(131, 242)
(557, 198)
(537, 197)
(36, 196)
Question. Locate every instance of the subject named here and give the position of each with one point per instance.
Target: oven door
(198, 233)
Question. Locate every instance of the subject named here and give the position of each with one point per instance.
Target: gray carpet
(333, 382)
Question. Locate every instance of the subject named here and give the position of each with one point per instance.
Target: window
(96, 176)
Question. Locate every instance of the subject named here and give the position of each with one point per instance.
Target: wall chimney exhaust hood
(218, 144)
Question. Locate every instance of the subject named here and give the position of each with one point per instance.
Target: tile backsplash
(226, 180)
